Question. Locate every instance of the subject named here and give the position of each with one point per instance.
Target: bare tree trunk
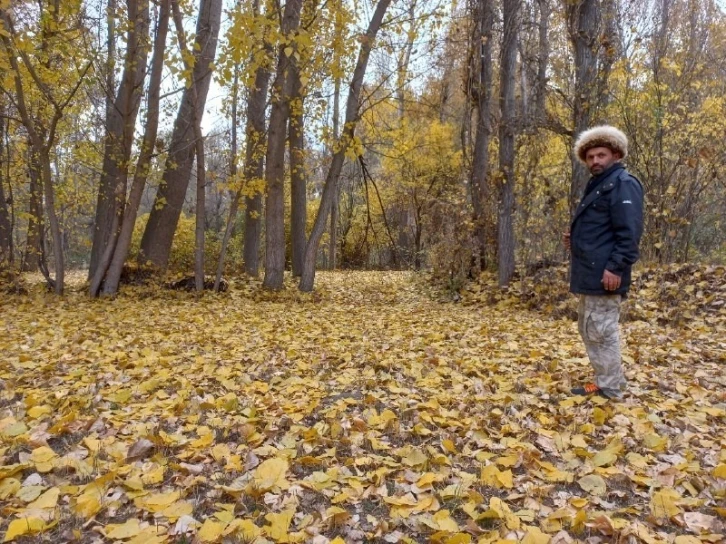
(119, 140)
(199, 145)
(234, 206)
(507, 131)
(159, 233)
(6, 233)
(275, 159)
(110, 56)
(583, 21)
(121, 249)
(482, 91)
(254, 167)
(298, 185)
(307, 280)
(542, 62)
(332, 250)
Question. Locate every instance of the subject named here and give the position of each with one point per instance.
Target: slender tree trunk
(121, 249)
(199, 144)
(120, 135)
(234, 206)
(507, 131)
(584, 21)
(298, 193)
(482, 91)
(542, 62)
(159, 233)
(275, 159)
(332, 250)
(110, 56)
(6, 233)
(307, 280)
(255, 147)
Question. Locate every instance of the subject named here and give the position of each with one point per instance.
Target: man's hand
(566, 240)
(610, 281)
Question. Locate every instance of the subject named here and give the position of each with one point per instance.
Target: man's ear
(617, 155)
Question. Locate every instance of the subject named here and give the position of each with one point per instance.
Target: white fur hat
(601, 136)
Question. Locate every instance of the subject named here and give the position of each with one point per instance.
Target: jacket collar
(599, 181)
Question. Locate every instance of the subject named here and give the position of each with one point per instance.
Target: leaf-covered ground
(366, 412)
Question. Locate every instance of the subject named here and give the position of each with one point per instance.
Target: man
(603, 240)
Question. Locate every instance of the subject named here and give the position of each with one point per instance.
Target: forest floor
(373, 410)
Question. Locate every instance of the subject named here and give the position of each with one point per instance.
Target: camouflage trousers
(598, 323)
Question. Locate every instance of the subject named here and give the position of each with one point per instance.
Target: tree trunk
(254, 167)
(121, 250)
(507, 130)
(307, 280)
(119, 140)
(298, 186)
(583, 21)
(234, 206)
(542, 62)
(482, 91)
(275, 159)
(159, 233)
(6, 233)
(332, 250)
(199, 145)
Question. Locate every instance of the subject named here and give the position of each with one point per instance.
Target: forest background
(407, 134)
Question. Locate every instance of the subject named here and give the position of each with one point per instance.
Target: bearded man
(603, 240)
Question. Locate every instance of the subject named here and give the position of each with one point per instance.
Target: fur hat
(601, 136)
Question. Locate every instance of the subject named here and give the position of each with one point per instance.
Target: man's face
(599, 159)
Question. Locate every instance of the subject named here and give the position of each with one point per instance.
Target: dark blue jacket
(605, 231)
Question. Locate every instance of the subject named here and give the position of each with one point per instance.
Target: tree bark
(507, 132)
(482, 91)
(159, 233)
(6, 233)
(34, 239)
(332, 250)
(234, 205)
(122, 245)
(255, 147)
(583, 22)
(199, 146)
(120, 125)
(275, 159)
(298, 185)
(307, 280)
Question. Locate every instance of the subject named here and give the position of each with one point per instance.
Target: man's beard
(595, 170)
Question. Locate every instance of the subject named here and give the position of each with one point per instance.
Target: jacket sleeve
(626, 216)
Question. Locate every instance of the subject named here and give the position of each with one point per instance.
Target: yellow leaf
(24, 526)
(445, 522)
(593, 484)
(122, 531)
(37, 411)
(157, 502)
(211, 530)
(8, 487)
(604, 458)
(720, 471)
(49, 499)
(279, 524)
(176, 510)
(535, 536)
(29, 493)
(414, 458)
(663, 504)
(87, 505)
(687, 539)
(448, 445)
(248, 530)
(271, 473)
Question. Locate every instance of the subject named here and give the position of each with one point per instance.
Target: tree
(481, 91)
(352, 116)
(507, 133)
(120, 125)
(111, 266)
(42, 130)
(159, 233)
(275, 158)
(6, 233)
